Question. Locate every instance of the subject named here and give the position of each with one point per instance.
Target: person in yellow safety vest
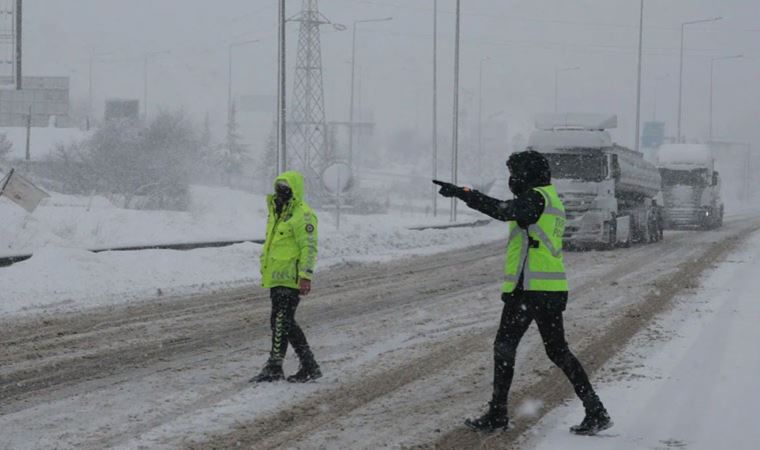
(288, 260)
(534, 288)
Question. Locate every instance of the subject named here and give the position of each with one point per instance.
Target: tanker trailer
(608, 190)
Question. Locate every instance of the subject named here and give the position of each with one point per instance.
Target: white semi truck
(608, 190)
(690, 187)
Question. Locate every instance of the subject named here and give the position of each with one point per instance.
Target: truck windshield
(577, 167)
(696, 177)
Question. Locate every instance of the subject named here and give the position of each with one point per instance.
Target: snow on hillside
(62, 273)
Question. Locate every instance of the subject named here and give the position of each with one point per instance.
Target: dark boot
(495, 418)
(596, 420)
(271, 372)
(308, 371)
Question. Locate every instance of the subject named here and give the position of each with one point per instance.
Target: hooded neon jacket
(290, 249)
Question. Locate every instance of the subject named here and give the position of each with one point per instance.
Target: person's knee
(504, 352)
(558, 354)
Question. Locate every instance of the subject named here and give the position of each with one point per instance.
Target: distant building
(48, 98)
(117, 108)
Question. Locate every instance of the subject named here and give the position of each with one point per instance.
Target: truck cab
(691, 187)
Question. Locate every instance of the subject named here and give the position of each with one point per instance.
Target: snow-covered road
(689, 380)
(405, 348)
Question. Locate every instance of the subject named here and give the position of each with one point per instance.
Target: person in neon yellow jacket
(535, 286)
(288, 260)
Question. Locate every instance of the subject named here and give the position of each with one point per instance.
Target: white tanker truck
(690, 187)
(608, 190)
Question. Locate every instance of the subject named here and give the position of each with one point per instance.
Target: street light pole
(281, 144)
(351, 97)
(637, 141)
(679, 136)
(455, 128)
(229, 73)
(480, 106)
(145, 79)
(435, 105)
(712, 69)
(557, 70)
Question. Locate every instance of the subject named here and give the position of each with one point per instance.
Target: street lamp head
(384, 19)
(692, 22)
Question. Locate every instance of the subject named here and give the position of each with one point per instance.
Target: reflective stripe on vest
(542, 267)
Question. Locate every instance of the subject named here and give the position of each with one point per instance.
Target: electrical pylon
(307, 142)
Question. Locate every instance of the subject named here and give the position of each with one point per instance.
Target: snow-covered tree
(232, 153)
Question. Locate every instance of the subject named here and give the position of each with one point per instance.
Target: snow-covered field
(687, 381)
(63, 274)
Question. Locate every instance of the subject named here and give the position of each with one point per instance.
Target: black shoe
(593, 423)
(494, 419)
(270, 372)
(307, 372)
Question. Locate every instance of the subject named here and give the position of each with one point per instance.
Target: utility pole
(712, 70)
(91, 63)
(480, 107)
(281, 144)
(19, 47)
(679, 136)
(146, 60)
(351, 96)
(89, 88)
(435, 106)
(637, 142)
(29, 134)
(455, 128)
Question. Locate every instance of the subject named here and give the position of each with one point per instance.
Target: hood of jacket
(295, 181)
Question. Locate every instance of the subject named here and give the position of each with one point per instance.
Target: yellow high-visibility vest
(536, 253)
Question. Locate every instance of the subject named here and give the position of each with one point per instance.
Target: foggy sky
(525, 41)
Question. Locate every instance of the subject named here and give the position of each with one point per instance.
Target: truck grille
(682, 205)
(576, 205)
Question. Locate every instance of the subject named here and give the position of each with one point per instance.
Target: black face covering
(517, 185)
(282, 195)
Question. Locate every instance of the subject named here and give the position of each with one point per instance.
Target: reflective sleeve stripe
(545, 240)
(545, 275)
(308, 254)
(311, 255)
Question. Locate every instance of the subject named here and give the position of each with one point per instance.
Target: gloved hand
(448, 189)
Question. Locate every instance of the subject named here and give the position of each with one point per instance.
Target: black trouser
(520, 309)
(285, 330)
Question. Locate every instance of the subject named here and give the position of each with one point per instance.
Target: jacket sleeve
(525, 209)
(306, 233)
